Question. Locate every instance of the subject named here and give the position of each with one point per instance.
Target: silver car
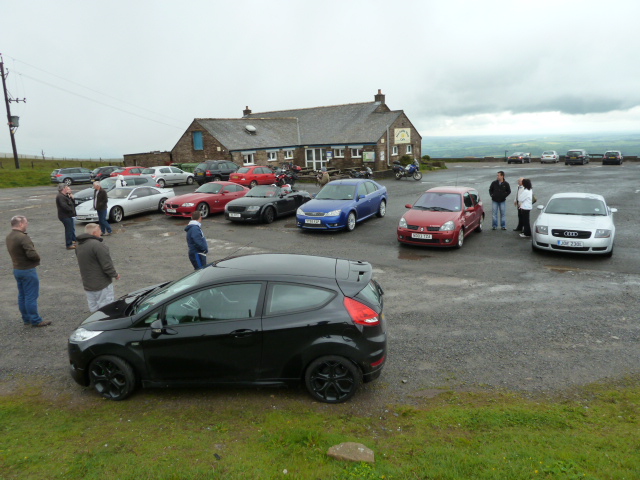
(69, 176)
(126, 201)
(109, 184)
(550, 156)
(575, 223)
(168, 175)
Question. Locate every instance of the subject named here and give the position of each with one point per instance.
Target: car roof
(577, 195)
(221, 182)
(446, 189)
(349, 181)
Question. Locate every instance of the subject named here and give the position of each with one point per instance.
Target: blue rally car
(343, 203)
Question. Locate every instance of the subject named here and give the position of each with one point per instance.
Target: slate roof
(355, 123)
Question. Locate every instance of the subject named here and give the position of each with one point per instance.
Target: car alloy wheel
(161, 204)
(203, 208)
(112, 377)
(479, 228)
(162, 183)
(332, 379)
(351, 222)
(382, 210)
(217, 178)
(68, 181)
(116, 214)
(269, 215)
(253, 183)
(189, 180)
(460, 238)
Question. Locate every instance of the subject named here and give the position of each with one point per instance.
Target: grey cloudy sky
(107, 78)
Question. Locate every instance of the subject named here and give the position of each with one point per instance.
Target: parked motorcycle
(284, 177)
(410, 171)
(366, 173)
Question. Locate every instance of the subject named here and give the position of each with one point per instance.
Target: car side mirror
(408, 205)
(613, 210)
(133, 196)
(361, 196)
(158, 328)
(540, 207)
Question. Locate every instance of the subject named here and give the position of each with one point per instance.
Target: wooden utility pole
(7, 101)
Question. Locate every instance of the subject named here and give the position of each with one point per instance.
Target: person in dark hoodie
(96, 267)
(66, 206)
(196, 242)
(499, 190)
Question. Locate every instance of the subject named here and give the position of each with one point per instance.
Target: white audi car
(125, 201)
(575, 222)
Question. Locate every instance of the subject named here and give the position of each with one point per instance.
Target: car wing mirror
(408, 205)
(133, 196)
(158, 328)
(361, 196)
(613, 210)
(540, 207)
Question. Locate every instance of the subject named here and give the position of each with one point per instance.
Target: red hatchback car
(442, 217)
(252, 176)
(209, 198)
(127, 171)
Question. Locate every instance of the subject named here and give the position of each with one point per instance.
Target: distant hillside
(496, 145)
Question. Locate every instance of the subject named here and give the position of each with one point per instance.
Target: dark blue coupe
(343, 203)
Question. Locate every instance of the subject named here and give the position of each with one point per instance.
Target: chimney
(379, 97)
(246, 111)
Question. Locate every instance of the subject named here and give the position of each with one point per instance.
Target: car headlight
(188, 204)
(542, 229)
(300, 211)
(602, 233)
(82, 335)
(253, 208)
(403, 223)
(448, 226)
(333, 213)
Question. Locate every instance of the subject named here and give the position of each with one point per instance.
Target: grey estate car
(69, 176)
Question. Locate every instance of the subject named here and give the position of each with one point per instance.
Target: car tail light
(360, 313)
(379, 362)
(58, 174)
(208, 173)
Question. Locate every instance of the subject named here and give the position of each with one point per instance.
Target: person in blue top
(196, 242)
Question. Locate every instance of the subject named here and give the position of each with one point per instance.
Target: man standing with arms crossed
(25, 260)
(96, 267)
(66, 212)
(499, 190)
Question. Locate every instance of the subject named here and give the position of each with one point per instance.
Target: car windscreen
(517, 154)
(612, 154)
(548, 153)
(148, 171)
(576, 206)
(242, 170)
(209, 188)
(95, 170)
(439, 202)
(108, 182)
(574, 153)
(201, 167)
(119, 193)
(178, 286)
(337, 192)
(263, 191)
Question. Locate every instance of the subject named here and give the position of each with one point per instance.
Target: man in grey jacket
(96, 267)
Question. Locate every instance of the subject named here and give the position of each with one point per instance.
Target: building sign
(368, 157)
(403, 135)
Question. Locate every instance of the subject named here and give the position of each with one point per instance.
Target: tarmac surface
(493, 315)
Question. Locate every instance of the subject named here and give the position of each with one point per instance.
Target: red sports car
(127, 171)
(252, 176)
(208, 198)
(442, 217)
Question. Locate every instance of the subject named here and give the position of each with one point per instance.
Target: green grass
(36, 172)
(259, 434)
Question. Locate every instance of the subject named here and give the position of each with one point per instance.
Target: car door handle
(245, 332)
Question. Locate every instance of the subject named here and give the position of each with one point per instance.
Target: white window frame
(272, 156)
(356, 152)
(338, 152)
(394, 150)
(248, 158)
(288, 154)
(409, 149)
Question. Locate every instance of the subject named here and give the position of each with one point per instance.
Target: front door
(316, 158)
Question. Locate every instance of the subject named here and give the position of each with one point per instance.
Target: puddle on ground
(562, 268)
(168, 234)
(411, 256)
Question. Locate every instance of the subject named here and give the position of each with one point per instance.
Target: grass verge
(207, 435)
(36, 172)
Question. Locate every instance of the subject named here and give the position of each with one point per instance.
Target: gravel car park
(493, 315)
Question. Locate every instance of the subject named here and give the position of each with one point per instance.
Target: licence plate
(84, 218)
(199, 174)
(569, 243)
(423, 236)
(573, 158)
(234, 215)
(171, 210)
(312, 220)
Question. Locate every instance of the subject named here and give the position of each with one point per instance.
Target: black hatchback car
(266, 319)
(101, 173)
(576, 157)
(213, 171)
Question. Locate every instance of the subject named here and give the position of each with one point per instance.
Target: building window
(356, 152)
(409, 149)
(247, 158)
(272, 156)
(198, 144)
(394, 150)
(339, 152)
(288, 154)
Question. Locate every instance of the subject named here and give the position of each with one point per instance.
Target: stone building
(339, 136)
(149, 159)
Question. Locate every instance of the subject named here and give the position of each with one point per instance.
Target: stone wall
(183, 151)
(150, 159)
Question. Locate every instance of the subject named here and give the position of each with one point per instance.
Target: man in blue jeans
(100, 203)
(25, 260)
(66, 212)
(499, 190)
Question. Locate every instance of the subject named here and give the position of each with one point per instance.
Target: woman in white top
(525, 202)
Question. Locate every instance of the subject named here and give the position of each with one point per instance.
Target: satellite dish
(251, 129)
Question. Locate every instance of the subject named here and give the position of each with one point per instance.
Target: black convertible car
(265, 203)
